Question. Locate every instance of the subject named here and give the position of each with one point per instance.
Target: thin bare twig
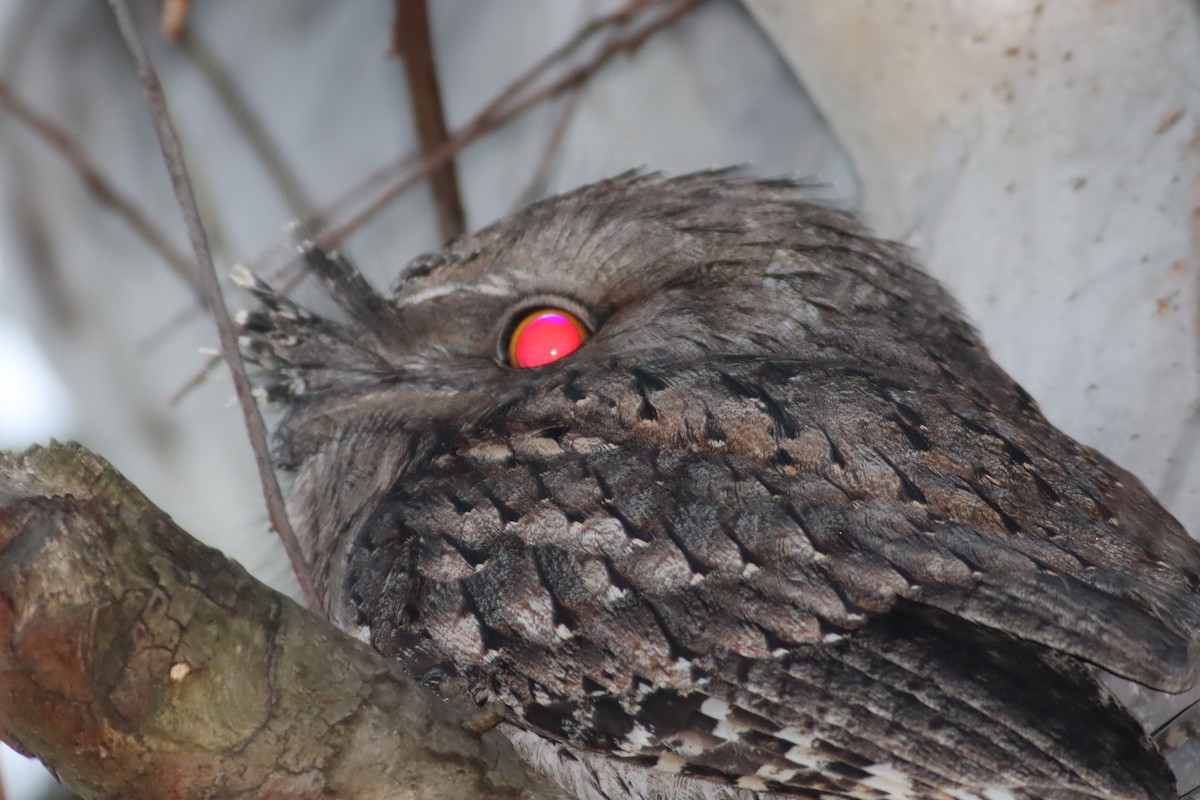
(180, 182)
(242, 114)
(490, 118)
(510, 104)
(264, 147)
(412, 42)
(100, 187)
(550, 151)
(197, 378)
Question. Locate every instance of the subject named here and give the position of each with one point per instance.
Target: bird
(719, 496)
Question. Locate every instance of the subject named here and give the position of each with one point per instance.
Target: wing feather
(843, 609)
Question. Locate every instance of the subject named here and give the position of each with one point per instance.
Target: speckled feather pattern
(781, 527)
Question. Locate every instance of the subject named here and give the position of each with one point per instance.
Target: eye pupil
(545, 335)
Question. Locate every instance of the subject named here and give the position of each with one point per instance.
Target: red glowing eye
(545, 335)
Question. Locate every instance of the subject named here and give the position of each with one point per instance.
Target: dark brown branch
(100, 187)
(412, 42)
(136, 662)
(180, 182)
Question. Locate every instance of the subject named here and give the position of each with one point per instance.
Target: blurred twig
(174, 15)
(243, 115)
(100, 187)
(550, 151)
(411, 41)
(522, 95)
(180, 182)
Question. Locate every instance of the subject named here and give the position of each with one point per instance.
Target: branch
(100, 187)
(536, 188)
(138, 663)
(174, 15)
(246, 119)
(412, 42)
(172, 152)
(518, 97)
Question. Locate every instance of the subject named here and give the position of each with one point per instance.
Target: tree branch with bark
(138, 663)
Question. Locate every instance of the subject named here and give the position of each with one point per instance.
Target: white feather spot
(891, 781)
(539, 446)
(998, 794)
(241, 276)
(637, 739)
(679, 672)
(714, 708)
(495, 288)
(587, 444)
(614, 593)
(771, 772)
(360, 632)
(563, 632)
(749, 569)
(728, 731)
(806, 757)
(790, 734)
(1175, 737)
(428, 294)
(490, 451)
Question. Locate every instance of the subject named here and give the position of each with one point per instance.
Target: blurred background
(1043, 159)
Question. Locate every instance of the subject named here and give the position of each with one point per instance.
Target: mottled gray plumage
(780, 526)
